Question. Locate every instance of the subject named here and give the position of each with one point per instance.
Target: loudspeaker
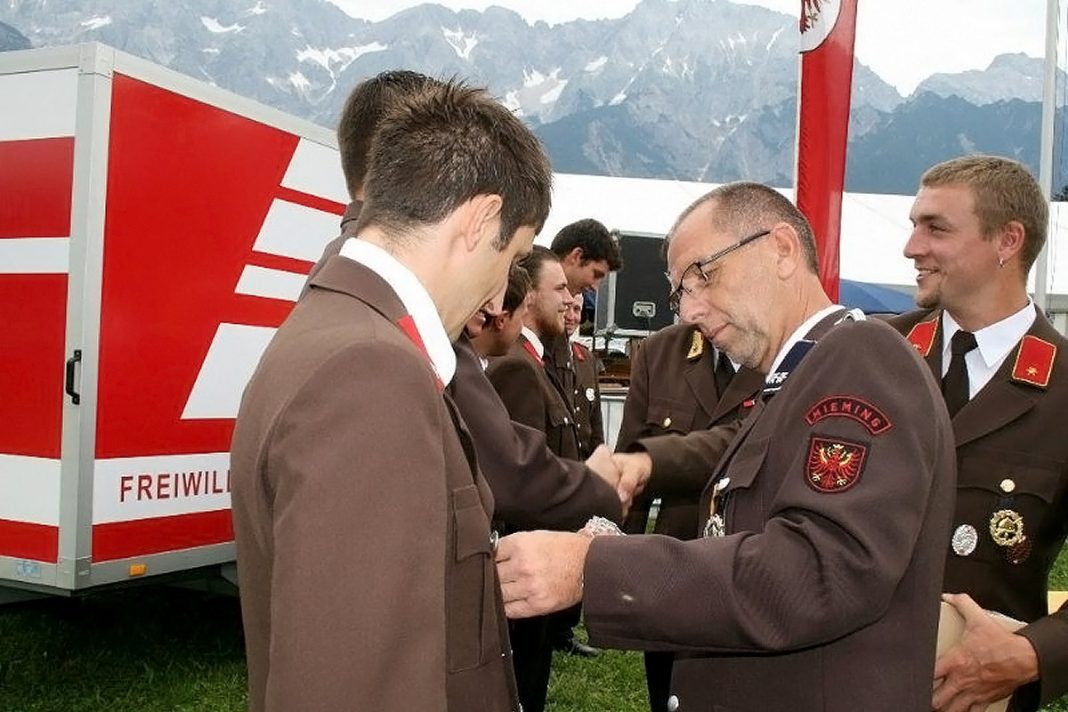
(634, 300)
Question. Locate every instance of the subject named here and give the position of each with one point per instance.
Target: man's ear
(500, 320)
(574, 256)
(787, 244)
(481, 219)
(1011, 240)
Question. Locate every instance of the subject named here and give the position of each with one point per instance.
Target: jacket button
(673, 703)
(1007, 485)
(667, 422)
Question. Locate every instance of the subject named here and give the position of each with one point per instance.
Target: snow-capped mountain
(692, 89)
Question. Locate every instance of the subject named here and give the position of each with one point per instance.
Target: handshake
(626, 473)
(541, 571)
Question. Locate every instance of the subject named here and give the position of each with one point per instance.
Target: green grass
(142, 649)
(157, 649)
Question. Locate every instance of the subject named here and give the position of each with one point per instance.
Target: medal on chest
(716, 526)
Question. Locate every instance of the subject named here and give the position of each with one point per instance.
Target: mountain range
(681, 89)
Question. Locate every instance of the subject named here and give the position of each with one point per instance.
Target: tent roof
(874, 227)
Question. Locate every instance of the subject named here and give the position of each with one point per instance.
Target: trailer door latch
(75, 398)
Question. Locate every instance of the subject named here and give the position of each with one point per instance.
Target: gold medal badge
(697, 346)
(1007, 527)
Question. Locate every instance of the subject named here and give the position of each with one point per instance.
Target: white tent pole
(1045, 169)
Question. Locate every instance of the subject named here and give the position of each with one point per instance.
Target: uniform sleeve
(359, 526)
(532, 487)
(1049, 636)
(683, 464)
(816, 565)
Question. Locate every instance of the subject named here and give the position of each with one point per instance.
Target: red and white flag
(828, 28)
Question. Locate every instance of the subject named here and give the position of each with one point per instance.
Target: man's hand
(988, 663)
(634, 471)
(602, 464)
(541, 572)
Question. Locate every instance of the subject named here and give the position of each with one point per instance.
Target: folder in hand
(951, 628)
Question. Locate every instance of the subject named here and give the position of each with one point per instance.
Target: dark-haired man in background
(369, 103)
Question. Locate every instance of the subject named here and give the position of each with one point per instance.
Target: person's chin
(928, 299)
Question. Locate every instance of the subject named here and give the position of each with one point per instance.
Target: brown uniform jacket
(673, 391)
(348, 229)
(823, 594)
(362, 524)
(532, 487)
(1013, 430)
(587, 398)
(572, 368)
(526, 388)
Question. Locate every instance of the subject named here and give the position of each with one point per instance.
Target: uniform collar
(534, 341)
(994, 341)
(413, 296)
(800, 333)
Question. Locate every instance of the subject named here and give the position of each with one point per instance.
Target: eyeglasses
(696, 275)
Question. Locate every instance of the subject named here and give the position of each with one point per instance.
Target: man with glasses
(816, 583)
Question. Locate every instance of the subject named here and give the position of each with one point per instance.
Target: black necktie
(723, 374)
(955, 383)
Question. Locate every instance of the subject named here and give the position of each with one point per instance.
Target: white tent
(874, 227)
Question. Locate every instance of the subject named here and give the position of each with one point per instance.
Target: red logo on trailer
(181, 222)
(35, 182)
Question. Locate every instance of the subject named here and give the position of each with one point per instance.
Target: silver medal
(965, 537)
(714, 527)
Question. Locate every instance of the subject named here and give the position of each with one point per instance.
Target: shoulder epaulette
(922, 336)
(697, 346)
(1034, 361)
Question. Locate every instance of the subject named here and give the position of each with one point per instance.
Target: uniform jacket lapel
(1001, 400)
(701, 379)
(747, 381)
(745, 384)
(739, 438)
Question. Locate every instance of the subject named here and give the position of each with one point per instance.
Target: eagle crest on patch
(834, 465)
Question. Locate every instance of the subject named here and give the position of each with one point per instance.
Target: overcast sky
(904, 41)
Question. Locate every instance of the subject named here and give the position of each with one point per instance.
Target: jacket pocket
(470, 594)
(668, 416)
(992, 482)
(740, 510)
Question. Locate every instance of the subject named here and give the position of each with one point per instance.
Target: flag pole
(828, 30)
(1045, 164)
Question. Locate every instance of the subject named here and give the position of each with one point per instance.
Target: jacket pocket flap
(472, 527)
(1006, 478)
(670, 415)
(746, 463)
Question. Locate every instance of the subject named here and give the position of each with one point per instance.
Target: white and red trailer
(154, 232)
